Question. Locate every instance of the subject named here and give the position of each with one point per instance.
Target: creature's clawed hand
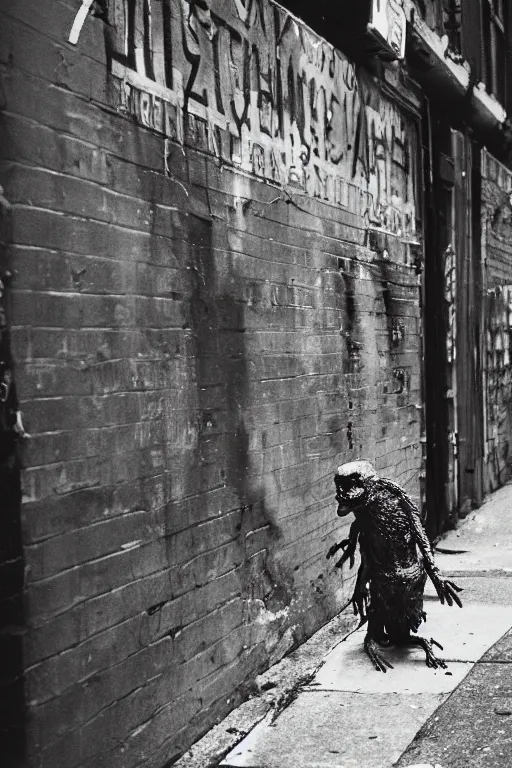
(335, 547)
(447, 590)
(349, 550)
(360, 601)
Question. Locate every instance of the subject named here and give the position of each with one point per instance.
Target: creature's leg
(431, 660)
(375, 630)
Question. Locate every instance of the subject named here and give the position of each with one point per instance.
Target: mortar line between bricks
(222, 251)
(272, 185)
(59, 131)
(315, 231)
(285, 224)
(89, 145)
(15, 247)
(84, 723)
(369, 264)
(85, 219)
(72, 294)
(306, 229)
(322, 205)
(109, 627)
(296, 376)
(163, 638)
(312, 269)
(103, 186)
(184, 500)
(120, 552)
(257, 258)
(96, 428)
(36, 360)
(116, 328)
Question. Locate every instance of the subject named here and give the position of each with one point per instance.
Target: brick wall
(12, 623)
(497, 253)
(213, 305)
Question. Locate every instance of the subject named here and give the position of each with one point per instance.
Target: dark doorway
(466, 244)
(452, 323)
(438, 358)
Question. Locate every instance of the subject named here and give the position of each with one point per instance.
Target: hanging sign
(387, 27)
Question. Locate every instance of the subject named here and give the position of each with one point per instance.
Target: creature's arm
(348, 545)
(360, 596)
(446, 590)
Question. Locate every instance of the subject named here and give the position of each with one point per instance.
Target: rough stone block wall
(497, 253)
(213, 305)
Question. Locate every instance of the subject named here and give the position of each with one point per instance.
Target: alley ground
(346, 715)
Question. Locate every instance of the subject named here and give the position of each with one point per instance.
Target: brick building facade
(213, 233)
(232, 257)
(460, 55)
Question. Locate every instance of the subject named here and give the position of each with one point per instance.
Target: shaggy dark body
(396, 558)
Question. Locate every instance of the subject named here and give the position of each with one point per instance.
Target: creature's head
(352, 481)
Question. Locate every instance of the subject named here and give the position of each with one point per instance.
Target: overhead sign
(387, 27)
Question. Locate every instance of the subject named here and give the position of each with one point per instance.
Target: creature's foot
(431, 659)
(378, 661)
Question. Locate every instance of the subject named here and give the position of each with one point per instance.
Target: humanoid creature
(396, 558)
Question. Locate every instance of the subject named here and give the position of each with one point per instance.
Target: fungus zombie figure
(396, 558)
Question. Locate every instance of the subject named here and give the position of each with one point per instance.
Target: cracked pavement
(350, 716)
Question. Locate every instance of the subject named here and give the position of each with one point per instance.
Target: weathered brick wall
(204, 327)
(12, 700)
(497, 253)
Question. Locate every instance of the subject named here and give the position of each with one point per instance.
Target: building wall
(497, 251)
(214, 304)
(12, 700)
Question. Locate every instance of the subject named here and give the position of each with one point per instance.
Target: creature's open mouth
(353, 493)
(349, 494)
(347, 498)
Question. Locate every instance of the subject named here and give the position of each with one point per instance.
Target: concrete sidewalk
(350, 716)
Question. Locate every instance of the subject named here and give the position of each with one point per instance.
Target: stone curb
(277, 687)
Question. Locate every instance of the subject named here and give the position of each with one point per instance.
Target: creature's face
(352, 481)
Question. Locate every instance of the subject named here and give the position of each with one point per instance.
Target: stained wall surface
(214, 303)
(497, 252)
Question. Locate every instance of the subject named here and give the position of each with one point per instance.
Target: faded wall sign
(246, 82)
